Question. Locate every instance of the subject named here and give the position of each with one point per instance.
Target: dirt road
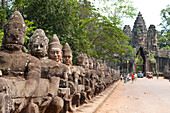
(141, 96)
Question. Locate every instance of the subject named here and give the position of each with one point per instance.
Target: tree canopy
(164, 40)
(77, 22)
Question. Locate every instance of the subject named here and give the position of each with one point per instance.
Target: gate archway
(140, 61)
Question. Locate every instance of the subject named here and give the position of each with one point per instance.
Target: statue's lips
(13, 43)
(39, 51)
(55, 57)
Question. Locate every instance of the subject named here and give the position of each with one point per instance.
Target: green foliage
(139, 59)
(30, 31)
(2, 16)
(165, 16)
(116, 10)
(79, 24)
(139, 62)
(164, 40)
(151, 56)
(1, 36)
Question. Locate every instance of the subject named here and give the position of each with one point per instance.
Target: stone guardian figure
(47, 90)
(62, 71)
(20, 71)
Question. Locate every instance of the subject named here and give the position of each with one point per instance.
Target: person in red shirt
(132, 76)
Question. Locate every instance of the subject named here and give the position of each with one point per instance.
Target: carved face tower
(38, 44)
(139, 32)
(15, 30)
(67, 55)
(55, 49)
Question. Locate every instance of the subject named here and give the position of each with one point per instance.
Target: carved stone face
(90, 64)
(101, 67)
(94, 64)
(67, 60)
(55, 54)
(15, 34)
(39, 48)
(86, 63)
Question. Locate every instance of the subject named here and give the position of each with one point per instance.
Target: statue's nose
(39, 48)
(55, 54)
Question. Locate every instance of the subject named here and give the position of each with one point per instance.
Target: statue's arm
(32, 78)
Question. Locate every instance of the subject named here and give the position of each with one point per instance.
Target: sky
(150, 10)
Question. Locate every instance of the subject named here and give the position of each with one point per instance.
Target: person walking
(125, 78)
(132, 76)
(135, 76)
(157, 75)
(121, 77)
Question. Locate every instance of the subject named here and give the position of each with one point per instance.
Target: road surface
(142, 96)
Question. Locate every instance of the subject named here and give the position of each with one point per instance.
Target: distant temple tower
(151, 40)
(145, 42)
(127, 30)
(139, 32)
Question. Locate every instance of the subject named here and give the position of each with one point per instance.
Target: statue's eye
(36, 46)
(52, 52)
(42, 45)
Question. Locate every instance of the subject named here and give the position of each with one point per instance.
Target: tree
(139, 62)
(116, 10)
(164, 40)
(77, 22)
(2, 13)
(109, 40)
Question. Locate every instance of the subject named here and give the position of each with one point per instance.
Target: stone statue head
(90, 63)
(55, 49)
(14, 31)
(80, 59)
(101, 66)
(38, 44)
(86, 62)
(94, 63)
(67, 55)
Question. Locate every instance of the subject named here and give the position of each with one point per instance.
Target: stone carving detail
(20, 71)
(127, 30)
(139, 32)
(63, 71)
(145, 41)
(47, 90)
(151, 38)
(77, 76)
(40, 82)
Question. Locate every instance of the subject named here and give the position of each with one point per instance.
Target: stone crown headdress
(66, 50)
(15, 20)
(80, 58)
(55, 43)
(39, 35)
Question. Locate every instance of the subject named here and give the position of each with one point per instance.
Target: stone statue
(62, 71)
(93, 76)
(55, 54)
(77, 76)
(101, 76)
(82, 60)
(20, 71)
(151, 38)
(47, 88)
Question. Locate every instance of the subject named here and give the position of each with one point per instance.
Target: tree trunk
(3, 4)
